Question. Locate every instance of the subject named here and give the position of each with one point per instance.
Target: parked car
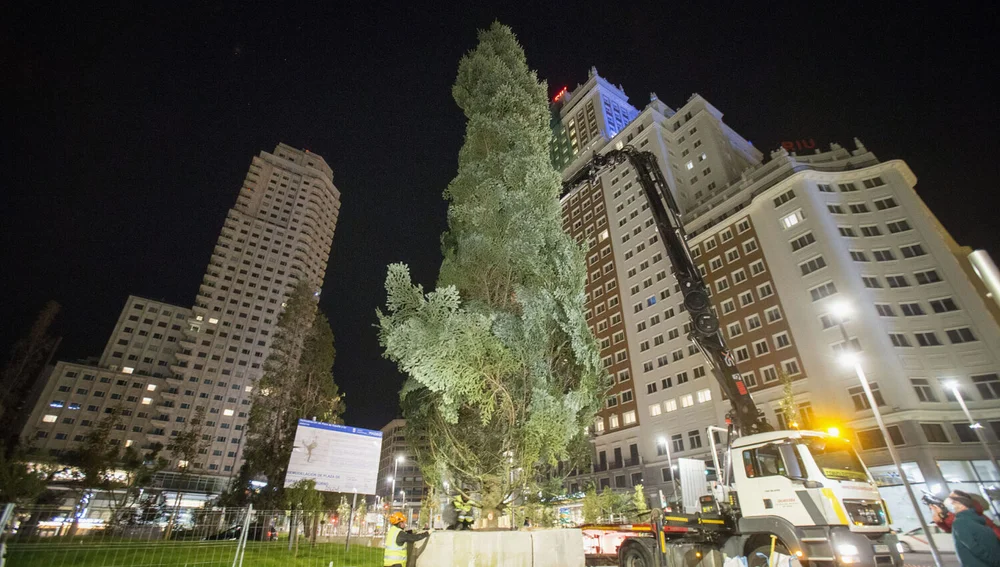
(916, 540)
(258, 531)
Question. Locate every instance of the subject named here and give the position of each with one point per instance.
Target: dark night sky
(129, 133)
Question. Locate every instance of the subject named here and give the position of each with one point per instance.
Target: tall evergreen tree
(297, 384)
(504, 375)
(27, 358)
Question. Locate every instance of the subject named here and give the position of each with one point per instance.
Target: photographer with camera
(977, 539)
(943, 518)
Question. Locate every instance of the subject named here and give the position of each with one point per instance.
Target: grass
(140, 553)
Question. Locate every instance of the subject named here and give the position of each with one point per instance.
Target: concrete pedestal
(548, 548)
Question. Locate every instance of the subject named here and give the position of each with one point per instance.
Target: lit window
(127, 370)
(655, 410)
(50, 418)
(629, 417)
(613, 421)
(151, 387)
(227, 412)
(147, 401)
(670, 405)
(704, 395)
(599, 425)
(603, 235)
(790, 220)
(687, 400)
(213, 320)
(689, 165)
(129, 442)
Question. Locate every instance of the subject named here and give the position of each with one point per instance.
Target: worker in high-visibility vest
(463, 512)
(396, 540)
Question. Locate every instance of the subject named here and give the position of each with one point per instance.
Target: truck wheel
(759, 557)
(635, 554)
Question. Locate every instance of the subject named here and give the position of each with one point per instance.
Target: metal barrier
(199, 537)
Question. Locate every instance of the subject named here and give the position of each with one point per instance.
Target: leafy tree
(306, 503)
(591, 505)
(120, 473)
(504, 373)
(343, 512)
(638, 504)
(19, 483)
(185, 447)
(787, 404)
(297, 384)
(27, 358)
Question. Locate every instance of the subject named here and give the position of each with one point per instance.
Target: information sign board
(339, 458)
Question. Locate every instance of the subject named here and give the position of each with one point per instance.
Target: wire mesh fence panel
(191, 537)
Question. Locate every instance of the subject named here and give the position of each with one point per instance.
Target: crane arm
(745, 416)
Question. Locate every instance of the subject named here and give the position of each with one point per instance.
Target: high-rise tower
(780, 243)
(164, 363)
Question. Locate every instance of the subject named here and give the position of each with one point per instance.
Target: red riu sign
(795, 145)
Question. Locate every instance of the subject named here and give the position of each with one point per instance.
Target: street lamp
(973, 424)
(841, 311)
(670, 463)
(395, 469)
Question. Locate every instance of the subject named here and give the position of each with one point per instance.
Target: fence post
(5, 516)
(350, 523)
(241, 543)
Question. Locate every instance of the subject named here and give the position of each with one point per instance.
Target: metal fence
(188, 537)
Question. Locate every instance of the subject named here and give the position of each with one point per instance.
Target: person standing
(975, 544)
(943, 518)
(463, 512)
(397, 539)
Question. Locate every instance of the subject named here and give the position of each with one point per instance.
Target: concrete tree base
(542, 548)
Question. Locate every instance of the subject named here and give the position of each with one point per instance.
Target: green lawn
(139, 553)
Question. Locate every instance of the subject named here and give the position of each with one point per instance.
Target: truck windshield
(836, 459)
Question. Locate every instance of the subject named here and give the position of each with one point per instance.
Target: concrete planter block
(562, 548)
(549, 548)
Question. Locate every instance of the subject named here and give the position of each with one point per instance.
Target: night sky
(129, 133)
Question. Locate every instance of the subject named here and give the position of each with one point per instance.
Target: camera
(931, 500)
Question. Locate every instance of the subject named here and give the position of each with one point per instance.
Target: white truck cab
(812, 491)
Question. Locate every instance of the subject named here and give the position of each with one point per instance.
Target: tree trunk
(173, 516)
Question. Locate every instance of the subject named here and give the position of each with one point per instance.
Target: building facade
(779, 242)
(163, 364)
(398, 470)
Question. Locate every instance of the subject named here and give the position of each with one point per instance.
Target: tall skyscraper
(165, 363)
(399, 471)
(779, 243)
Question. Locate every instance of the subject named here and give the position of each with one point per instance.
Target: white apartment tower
(164, 363)
(778, 243)
(399, 471)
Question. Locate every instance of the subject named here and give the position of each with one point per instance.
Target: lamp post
(841, 311)
(670, 464)
(973, 424)
(395, 469)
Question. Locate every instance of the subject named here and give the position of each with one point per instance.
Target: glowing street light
(973, 424)
(662, 440)
(395, 470)
(841, 310)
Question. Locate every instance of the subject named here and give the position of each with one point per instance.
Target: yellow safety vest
(395, 554)
(464, 509)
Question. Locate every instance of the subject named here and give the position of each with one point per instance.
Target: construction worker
(463, 512)
(397, 540)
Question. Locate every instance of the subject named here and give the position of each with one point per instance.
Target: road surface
(917, 559)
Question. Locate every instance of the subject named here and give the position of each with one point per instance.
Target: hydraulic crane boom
(745, 417)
